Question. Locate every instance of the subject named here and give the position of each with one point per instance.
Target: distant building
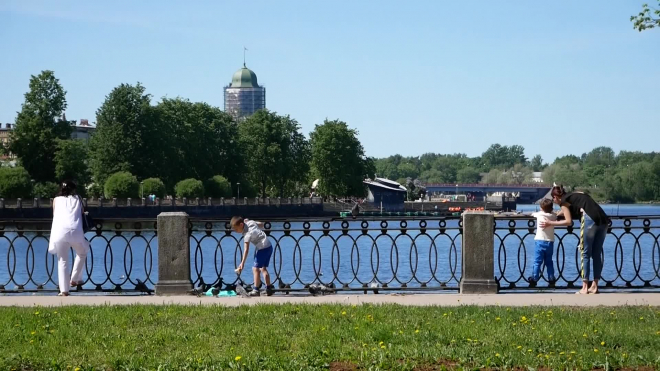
(537, 177)
(386, 193)
(244, 96)
(83, 131)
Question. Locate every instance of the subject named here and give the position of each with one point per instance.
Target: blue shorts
(262, 257)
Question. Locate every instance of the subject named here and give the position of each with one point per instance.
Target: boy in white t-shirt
(263, 250)
(543, 243)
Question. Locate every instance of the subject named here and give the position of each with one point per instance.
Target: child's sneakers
(255, 292)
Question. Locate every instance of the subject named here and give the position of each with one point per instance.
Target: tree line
(176, 147)
(191, 149)
(607, 176)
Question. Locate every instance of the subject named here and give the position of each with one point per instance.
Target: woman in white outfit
(67, 231)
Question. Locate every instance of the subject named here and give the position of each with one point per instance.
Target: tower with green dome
(244, 96)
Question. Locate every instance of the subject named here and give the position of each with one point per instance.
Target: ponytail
(558, 191)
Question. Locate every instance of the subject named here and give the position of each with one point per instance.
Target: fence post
(173, 254)
(478, 262)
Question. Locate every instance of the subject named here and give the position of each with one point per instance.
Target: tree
(433, 176)
(603, 156)
(647, 18)
(154, 186)
(218, 187)
(38, 126)
(189, 188)
(468, 175)
(504, 156)
(71, 162)
(338, 159)
(202, 141)
(492, 177)
(277, 154)
(127, 136)
(45, 190)
(15, 183)
(537, 163)
(122, 185)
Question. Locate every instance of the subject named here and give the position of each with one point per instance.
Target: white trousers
(81, 247)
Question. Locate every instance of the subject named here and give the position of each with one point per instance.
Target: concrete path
(519, 300)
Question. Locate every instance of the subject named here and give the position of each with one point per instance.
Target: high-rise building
(244, 96)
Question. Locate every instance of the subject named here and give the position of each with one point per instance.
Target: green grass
(270, 337)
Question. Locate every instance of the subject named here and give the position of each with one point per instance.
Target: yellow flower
(519, 347)
(343, 313)
(561, 353)
(382, 347)
(602, 343)
(595, 350)
(77, 369)
(641, 318)
(572, 352)
(364, 345)
(238, 358)
(31, 341)
(380, 343)
(529, 350)
(36, 313)
(497, 355)
(612, 313)
(33, 332)
(417, 331)
(444, 314)
(584, 335)
(497, 319)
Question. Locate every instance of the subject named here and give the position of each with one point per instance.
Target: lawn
(270, 337)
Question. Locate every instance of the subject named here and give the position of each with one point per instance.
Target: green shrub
(15, 183)
(217, 187)
(153, 186)
(95, 190)
(45, 190)
(122, 185)
(189, 188)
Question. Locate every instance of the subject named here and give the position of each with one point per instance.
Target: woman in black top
(593, 229)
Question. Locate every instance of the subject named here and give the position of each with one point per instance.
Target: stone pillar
(209, 202)
(173, 254)
(19, 203)
(478, 262)
(35, 202)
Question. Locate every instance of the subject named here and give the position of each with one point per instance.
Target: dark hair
(546, 205)
(235, 221)
(67, 188)
(558, 191)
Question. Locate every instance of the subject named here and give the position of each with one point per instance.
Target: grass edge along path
(271, 337)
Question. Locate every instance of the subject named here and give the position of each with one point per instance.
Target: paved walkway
(553, 299)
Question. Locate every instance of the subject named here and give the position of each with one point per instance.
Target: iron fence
(370, 254)
(122, 258)
(631, 254)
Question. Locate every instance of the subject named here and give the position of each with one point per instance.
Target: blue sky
(557, 77)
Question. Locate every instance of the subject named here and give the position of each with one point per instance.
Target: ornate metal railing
(631, 254)
(357, 255)
(122, 258)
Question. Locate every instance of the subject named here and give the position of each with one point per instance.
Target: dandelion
(519, 347)
(417, 331)
(595, 331)
(497, 355)
(572, 352)
(497, 319)
(33, 332)
(31, 341)
(595, 350)
(444, 314)
(364, 345)
(36, 313)
(382, 347)
(343, 313)
(641, 318)
(602, 343)
(529, 350)
(381, 343)
(400, 332)
(77, 369)
(238, 358)
(584, 335)
(611, 313)
(561, 353)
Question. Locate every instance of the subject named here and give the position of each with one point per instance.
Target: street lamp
(141, 189)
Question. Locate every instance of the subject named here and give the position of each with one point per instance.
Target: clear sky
(557, 77)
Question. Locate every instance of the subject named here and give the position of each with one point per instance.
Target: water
(354, 258)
